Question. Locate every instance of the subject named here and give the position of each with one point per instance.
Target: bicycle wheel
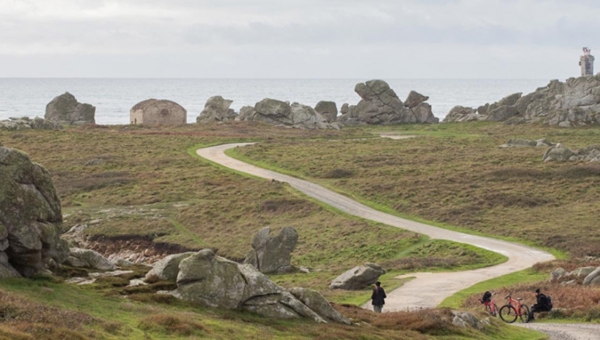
(495, 310)
(508, 314)
(524, 313)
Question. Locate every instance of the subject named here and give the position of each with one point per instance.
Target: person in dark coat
(378, 297)
(542, 305)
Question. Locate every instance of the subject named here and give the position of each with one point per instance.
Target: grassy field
(128, 182)
(141, 181)
(456, 175)
(45, 309)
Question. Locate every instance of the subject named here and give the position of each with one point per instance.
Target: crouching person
(544, 304)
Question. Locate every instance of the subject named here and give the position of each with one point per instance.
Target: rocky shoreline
(575, 102)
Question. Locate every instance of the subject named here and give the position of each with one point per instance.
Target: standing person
(543, 304)
(378, 297)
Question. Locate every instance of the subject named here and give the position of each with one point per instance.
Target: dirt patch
(143, 245)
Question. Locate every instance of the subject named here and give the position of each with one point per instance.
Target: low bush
(170, 324)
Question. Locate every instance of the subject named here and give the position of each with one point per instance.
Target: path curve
(427, 290)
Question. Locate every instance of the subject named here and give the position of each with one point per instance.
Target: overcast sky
(524, 39)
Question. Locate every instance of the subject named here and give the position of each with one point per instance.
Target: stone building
(159, 112)
(587, 63)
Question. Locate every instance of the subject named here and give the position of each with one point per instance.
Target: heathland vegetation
(139, 186)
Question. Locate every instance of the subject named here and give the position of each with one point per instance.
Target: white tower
(587, 63)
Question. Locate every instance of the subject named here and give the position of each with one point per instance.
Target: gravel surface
(563, 331)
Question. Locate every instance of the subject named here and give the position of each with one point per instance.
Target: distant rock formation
(560, 153)
(66, 110)
(358, 278)
(213, 281)
(328, 110)
(216, 109)
(515, 142)
(277, 112)
(381, 105)
(273, 254)
(30, 217)
(158, 112)
(463, 114)
(26, 123)
(575, 102)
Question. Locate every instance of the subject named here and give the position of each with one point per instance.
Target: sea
(113, 98)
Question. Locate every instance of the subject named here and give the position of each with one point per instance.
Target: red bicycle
(490, 305)
(513, 309)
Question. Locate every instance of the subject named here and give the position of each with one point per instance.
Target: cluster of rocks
(66, 110)
(560, 153)
(273, 254)
(587, 276)
(575, 102)
(26, 123)
(380, 105)
(214, 281)
(278, 112)
(358, 277)
(268, 110)
(536, 143)
(30, 217)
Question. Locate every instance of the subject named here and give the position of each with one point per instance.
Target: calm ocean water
(114, 97)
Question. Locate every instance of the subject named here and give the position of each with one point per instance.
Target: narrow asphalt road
(427, 289)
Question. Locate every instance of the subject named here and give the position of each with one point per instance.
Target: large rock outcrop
(167, 268)
(328, 110)
(358, 277)
(216, 109)
(210, 280)
(66, 110)
(277, 112)
(381, 105)
(273, 254)
(26, 123)
(30, 217)
(575, 102)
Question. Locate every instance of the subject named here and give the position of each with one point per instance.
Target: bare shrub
(581, 171)
(67, 183)
(170, 324)
(425, 321)
(338, 173)
(284, 205)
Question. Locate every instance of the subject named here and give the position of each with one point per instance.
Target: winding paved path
(427, 289)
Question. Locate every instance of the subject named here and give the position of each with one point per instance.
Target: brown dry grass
(458, 176)
(22, 318)
(171, 325)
